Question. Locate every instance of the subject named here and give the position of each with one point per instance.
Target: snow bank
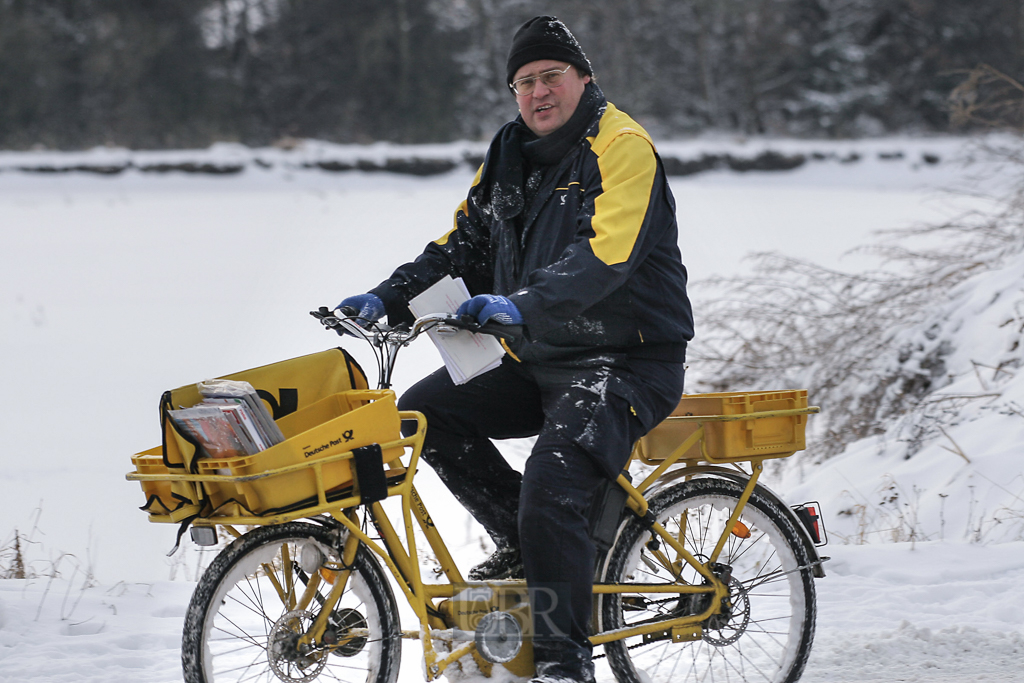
(681, 158)
(950, 468)
(935, 611)
(59, 631)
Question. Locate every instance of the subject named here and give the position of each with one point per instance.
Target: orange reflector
(328, 575)
(741, 530)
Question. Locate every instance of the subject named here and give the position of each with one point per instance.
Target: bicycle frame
(402, 560)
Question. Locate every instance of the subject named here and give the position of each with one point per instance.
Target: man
(568, 236)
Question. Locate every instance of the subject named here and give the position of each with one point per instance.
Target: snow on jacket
(595, 268)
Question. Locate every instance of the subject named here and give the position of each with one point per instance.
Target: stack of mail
(465, 354)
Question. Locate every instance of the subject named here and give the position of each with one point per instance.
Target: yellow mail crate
(332, 425)
(736, 439)
(160, 496)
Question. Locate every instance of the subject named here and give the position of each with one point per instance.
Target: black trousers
(586, 420)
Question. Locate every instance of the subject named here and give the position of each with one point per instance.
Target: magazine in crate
(230, 420)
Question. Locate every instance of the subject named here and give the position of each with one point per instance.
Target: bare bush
(989, 98)
(870, 347)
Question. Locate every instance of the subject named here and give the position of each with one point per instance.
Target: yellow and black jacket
(592, 263)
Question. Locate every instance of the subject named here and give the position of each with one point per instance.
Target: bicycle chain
(628, 647)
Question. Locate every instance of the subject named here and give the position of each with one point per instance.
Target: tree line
(160, 74)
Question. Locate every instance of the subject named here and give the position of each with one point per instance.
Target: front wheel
(765, 628)
(247, 614)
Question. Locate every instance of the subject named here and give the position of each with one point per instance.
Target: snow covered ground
(113, 289)
(939, 612)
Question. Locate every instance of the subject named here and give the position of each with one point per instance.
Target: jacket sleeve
(618, 225)
(464, 251)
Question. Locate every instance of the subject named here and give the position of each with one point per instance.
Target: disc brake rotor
(728, 626)
(288, 660)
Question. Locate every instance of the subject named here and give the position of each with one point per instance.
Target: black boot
(504, 563)
(573, 672)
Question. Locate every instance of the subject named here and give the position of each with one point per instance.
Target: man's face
(545, 110)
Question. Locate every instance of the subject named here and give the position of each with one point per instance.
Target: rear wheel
(766, 627)
(245, 620)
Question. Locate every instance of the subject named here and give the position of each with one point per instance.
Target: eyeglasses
(550, 79)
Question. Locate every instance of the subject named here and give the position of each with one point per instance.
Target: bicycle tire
(238, 627)
(768, 635)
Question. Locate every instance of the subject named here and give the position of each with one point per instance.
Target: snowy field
(114, 289)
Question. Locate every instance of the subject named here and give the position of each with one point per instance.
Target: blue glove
(370, 307)
(486, 307)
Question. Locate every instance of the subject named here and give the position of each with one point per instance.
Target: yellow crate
(332, 425)
(152, 462)
(160, 494)
(735, 440)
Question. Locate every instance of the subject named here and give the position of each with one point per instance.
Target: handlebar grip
(349, 311)
(506, 332)
(328, 319)
(491, 328)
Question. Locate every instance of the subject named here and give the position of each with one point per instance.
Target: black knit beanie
(545, 38)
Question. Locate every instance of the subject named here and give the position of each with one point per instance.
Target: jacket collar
(500, 193)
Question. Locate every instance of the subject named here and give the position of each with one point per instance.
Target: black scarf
(515, 151)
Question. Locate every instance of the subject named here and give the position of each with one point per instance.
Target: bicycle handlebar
(388, 340)
(442, 323)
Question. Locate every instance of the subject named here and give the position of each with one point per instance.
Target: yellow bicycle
(702, 572)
